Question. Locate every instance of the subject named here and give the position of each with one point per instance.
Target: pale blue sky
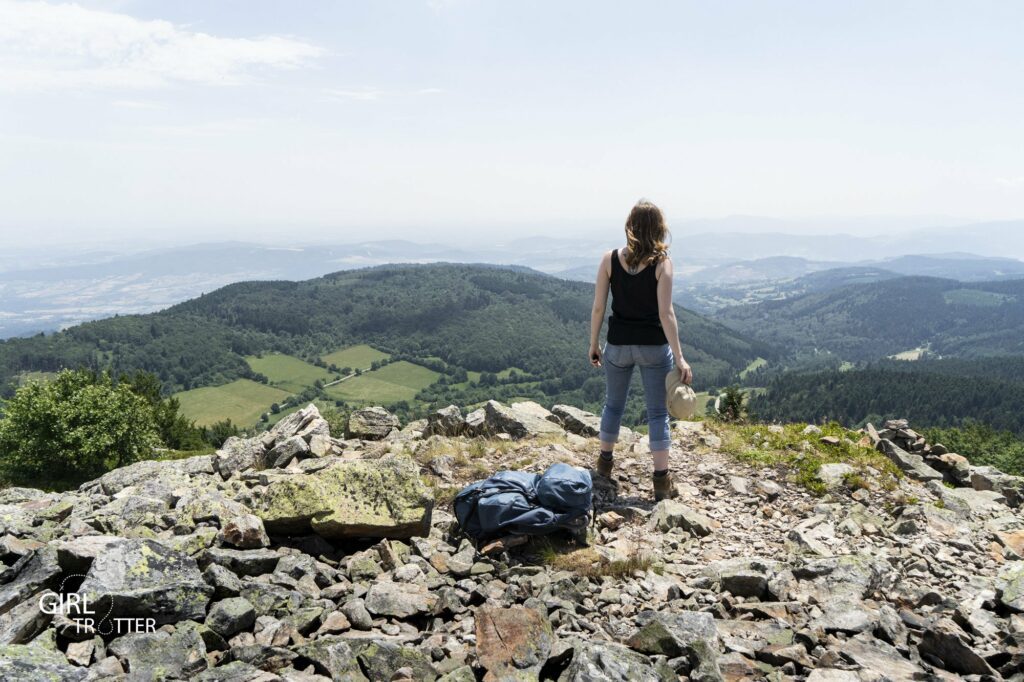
(248, 119)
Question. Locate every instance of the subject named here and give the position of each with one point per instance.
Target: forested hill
(874, 320)
(479, 318)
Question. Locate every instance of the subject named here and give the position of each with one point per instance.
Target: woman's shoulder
(664, 266)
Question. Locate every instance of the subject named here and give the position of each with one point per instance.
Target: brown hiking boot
(663, 488)
(604, 467)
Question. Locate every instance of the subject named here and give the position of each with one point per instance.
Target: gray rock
(237, 455)
(26, 663)
(578, 421)
(355, 611)
(833, 475)
(518, 423)
(163, 655)
(224, 582)
(285, 451)
(243, 561)
(912, 465)
(371, 423)
(1011, 586)
(688, 633)
(944, 641)
(447, 421)
(30, 575)
(669, 514)
(230, 616)
(990, 478)
(609, 662)
(76, 555)
(145, 579)
(381, 659)
(400, 600)
(25, 620)
(334, 657)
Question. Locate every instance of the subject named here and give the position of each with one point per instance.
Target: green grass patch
(356, 357)
(753, 367)
(288, 372)
(390, 384)
(241, 401)
(756, 445)
(565, 555)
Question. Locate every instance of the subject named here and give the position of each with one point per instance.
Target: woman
(642, 331)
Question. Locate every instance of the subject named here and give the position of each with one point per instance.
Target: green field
(287, 372)
(976, 297)
(753, 367)
(241, 401)
(26, 377)
(390, 384)
(360, 357)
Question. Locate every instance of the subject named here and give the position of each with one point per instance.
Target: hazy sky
(253, 119)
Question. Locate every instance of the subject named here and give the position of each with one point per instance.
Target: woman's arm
(600, 304)
(667, 314)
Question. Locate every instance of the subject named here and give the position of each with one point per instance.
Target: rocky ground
(790, 553)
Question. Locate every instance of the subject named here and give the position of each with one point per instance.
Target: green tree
(70, 429)
(175, 430)
(732, 404)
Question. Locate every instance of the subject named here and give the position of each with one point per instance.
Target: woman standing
(642, 331)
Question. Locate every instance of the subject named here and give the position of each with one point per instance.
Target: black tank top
(634, 319)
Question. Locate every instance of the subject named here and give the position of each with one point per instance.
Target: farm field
(288, 372)
(390, 384)
(241, 401)
(361, 357)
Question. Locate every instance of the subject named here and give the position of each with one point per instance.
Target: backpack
(515, 502)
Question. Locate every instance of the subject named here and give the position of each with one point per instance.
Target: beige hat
(680, 398)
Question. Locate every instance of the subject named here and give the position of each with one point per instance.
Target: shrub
(70, 429)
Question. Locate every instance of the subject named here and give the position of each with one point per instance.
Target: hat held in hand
(680, 398)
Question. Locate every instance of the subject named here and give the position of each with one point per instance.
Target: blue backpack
(514, 502)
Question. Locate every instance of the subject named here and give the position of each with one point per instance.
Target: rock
(383, 499)
(286, 451)
(833, 475)
(969, 502)
(23, 663)
(144, 579)
(595, 661)
(333, 657)
(955, 468)
(519, 423)
(743, 577)
(244, 532)
(371, 423)
(25, 620)
(242, 562)
(447, 421)
(881, 659)
(688, 633)
(944, 641)
(669, 514)
(575, 420)
(30, 575)
(803, 542)
(381, 659)
(400, 600)
(1011, 587)
(76, 555)
(162, 655)
(811, 430)
(355, 611)
(912, 465)
(230, 616)
(511, 642)
(990, 478)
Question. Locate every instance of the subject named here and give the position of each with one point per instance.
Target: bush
(732, 404)
(73, 428)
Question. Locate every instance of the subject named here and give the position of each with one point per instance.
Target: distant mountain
(478, 318)
(965, 267)
(875, 320)
(1001, 239)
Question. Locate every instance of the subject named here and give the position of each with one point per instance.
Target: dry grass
(585, 561)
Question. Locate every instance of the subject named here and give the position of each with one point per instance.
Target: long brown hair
(646, 235)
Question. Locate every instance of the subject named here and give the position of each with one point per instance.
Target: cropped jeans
(655, 363)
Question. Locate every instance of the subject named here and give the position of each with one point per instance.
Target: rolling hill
(880, 319)
(444, 330)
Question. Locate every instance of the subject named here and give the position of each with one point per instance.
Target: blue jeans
(655, 363)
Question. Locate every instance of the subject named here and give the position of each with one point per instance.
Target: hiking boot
(604, 467)
(663, 488)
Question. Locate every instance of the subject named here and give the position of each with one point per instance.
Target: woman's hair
(646, 235)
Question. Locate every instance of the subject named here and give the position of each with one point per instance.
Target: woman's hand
(595, 355)
(685, 372)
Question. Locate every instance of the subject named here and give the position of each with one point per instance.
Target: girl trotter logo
(80, 615)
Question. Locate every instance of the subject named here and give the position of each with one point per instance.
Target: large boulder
(512, 642)
(399, 600)
(669, 514)
(237, 455)
(688, 633)
(30, 575)
(447, 421)
(912, 465)
(596, 661)
(578, 421)
(518, 423)
(20, 662)
(362, 498)
(371, 423)
(145, 579)
(990, 478)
